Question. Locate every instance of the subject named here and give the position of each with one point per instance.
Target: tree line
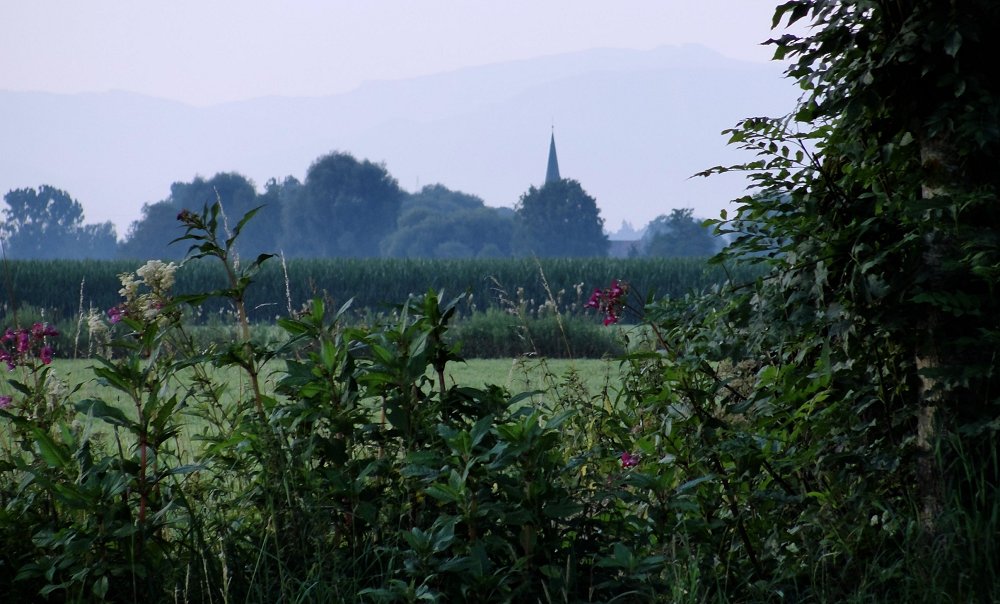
(345, 207)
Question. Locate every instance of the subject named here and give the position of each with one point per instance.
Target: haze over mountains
(631, 126)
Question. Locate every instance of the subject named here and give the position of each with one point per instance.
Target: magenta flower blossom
(24, 345)
(5, 401)
(23, 341)
(114, 314)
(40, 330)
(629, 460)
(610, 301)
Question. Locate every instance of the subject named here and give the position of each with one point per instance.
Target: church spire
(552, 172)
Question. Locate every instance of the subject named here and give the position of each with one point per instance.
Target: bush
(499, 334)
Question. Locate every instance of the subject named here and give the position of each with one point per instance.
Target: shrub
(499, 334)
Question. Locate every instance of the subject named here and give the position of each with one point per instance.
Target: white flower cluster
(100, 339)
(158, 278)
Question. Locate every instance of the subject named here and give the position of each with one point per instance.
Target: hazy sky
(205, 52)
(210, 51)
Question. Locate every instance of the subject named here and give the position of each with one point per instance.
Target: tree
(97, 241)
(265, 229)
(47, 223)
(237, 195)
(440, 223)
(559, 219)
(877, 219)
(439, 199)
(678, 235)
(150, 236)
(344, 208)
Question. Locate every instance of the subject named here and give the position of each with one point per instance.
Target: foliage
(355, 472)
(823, 431)
(48, 223)
(559, 219)
(439, 223)
(150, 236)
(285, 479)
(678, 235)
(869, 348)
(374, 284)
(497, 334)
(352, 205)
(269, 232)
(95, 512)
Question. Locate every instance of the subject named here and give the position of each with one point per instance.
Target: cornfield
(374, 284)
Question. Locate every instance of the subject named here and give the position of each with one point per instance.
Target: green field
(516, 375)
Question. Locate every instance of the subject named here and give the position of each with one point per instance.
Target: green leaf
(246, 218)
(562, 509)
(481, 429)
(100, 588)
(444, 492)
(184, 469)
(54, 454)
(952, 43)
(687, 486)
(101, 410)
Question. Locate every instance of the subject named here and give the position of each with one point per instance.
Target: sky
(207, 52)
(204, 52)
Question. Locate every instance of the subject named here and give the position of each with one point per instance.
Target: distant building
(618, 248)
(552, 171)
(625, 242)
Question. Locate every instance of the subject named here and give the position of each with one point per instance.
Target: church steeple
(552, 172)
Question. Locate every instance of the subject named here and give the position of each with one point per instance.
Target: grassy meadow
(592, 376)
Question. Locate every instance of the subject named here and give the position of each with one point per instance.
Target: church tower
(552, 172)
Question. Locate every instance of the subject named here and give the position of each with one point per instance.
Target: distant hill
(631, 126)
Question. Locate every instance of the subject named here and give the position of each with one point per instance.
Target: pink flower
(40, 330)
(114, 314)
(23, 341)
(5, 401)
(46, 355)
(629, 460)
(609, 301)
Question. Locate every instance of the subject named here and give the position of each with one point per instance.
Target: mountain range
(631, 126)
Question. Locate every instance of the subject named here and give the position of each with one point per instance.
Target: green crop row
(62, 287)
